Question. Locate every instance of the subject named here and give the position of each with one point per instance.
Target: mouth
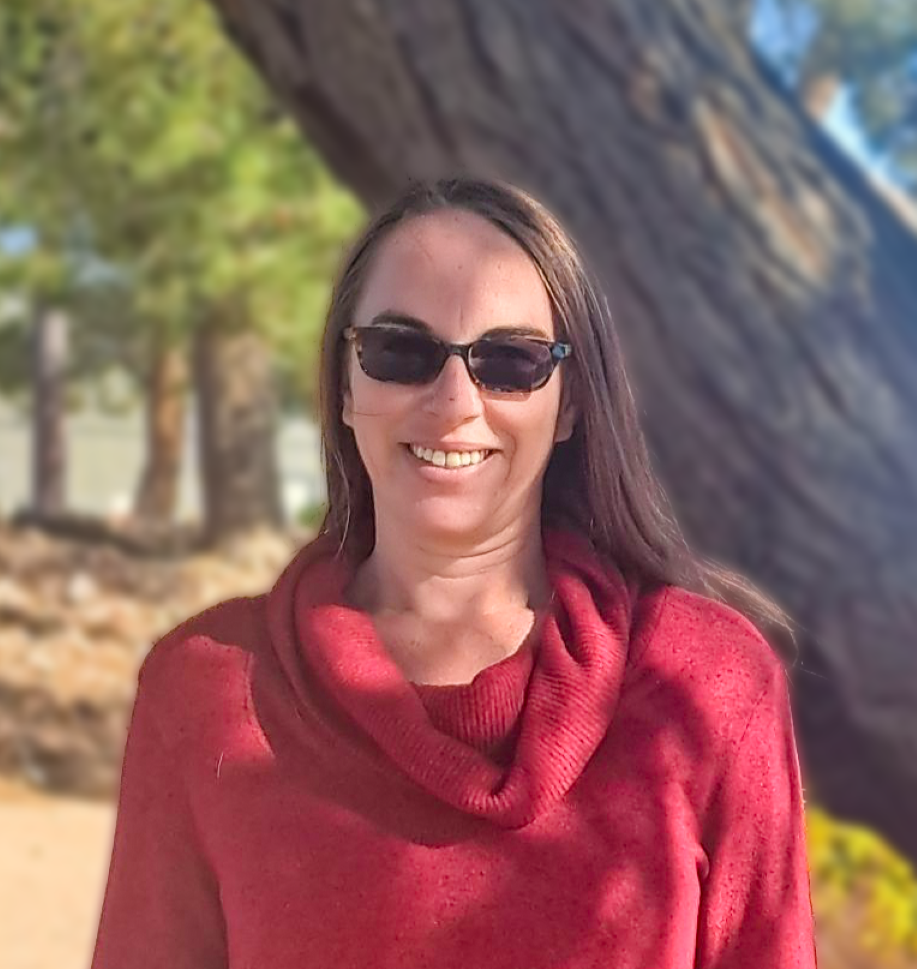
(448, 460)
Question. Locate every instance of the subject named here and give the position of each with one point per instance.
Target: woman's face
(462, 277)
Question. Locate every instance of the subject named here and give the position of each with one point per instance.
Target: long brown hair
(600, 481)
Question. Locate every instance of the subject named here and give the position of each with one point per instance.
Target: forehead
(458, 273)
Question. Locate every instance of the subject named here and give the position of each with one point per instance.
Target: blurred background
(177, 184)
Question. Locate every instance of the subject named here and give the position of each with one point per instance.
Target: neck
(438, 582)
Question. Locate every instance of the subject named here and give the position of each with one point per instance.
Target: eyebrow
(414, 323)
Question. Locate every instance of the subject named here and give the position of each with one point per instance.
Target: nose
(454, 395)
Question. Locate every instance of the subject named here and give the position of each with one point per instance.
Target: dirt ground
(53, 862)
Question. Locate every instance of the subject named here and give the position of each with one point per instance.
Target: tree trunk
(765, 293)
(236, 428)
(166, 390)
(49, 447)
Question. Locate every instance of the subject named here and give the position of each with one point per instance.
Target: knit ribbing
(484, 712)
(553, 704)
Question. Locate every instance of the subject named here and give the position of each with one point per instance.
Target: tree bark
(236, 427)
(766, 296)
(49, 444)
(166, 390)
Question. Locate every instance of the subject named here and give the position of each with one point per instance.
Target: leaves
(849, 864)
(136, 141)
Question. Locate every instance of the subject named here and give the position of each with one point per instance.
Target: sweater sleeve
(755, 907)
(161, 904)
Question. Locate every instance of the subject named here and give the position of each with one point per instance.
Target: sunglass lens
(401, 356)
(511, 364)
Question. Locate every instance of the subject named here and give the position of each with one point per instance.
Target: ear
(568, 413)
(347, 408)
(566, 421)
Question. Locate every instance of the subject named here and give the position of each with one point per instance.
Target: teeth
(448, 459)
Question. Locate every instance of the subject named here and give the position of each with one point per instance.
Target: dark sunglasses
(505, 364)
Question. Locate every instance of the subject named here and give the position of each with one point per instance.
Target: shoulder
(201, 663)
(714, 659)
(231, 626)
(703, 635)
(206, 662)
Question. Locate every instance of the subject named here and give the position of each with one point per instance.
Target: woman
(496, 715)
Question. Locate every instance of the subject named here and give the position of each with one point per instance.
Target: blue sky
(773, 31)
(842, 125)
(17, 240)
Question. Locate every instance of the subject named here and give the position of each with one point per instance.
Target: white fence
(105, 457)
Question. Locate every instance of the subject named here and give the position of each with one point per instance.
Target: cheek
(373, 403)
(369, 397)
(530, 425)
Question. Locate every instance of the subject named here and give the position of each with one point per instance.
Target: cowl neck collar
(507, 745)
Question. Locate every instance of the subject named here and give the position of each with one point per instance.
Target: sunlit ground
(53, 861)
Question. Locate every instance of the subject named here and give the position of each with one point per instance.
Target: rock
(77, 616)
(80, 588)
(15, 600)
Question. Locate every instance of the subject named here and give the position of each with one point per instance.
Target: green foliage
(871, 47)
(852, 868)
(158, 176)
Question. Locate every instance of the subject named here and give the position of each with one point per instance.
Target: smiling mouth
(453, 460)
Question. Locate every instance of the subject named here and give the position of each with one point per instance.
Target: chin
(452, 525)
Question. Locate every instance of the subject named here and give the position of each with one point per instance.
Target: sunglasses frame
(559, 351)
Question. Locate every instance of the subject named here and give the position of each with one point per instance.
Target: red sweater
(622, 793)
